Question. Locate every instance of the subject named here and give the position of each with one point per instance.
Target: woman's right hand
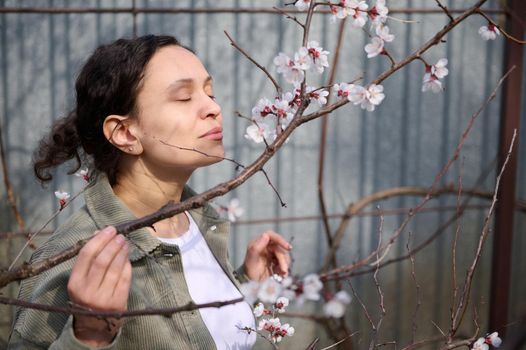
(100, 280)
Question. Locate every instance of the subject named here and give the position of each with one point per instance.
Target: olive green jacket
(158, 281)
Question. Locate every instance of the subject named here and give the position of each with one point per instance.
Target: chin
(217, 153)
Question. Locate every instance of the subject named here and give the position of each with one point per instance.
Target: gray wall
(405, 142)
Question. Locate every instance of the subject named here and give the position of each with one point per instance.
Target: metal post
(504, 214)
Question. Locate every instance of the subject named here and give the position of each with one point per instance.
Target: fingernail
(119, 239)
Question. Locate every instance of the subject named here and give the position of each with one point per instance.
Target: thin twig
(263, 69)
(239, 165)
(464, 297)
(455, 241)
(364, 308)
(414, 325)
(374, 339)
(9, 188)
(289, 16)
(323, 143)
(445, 9)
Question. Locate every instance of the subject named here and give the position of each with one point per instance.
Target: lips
(214, 134)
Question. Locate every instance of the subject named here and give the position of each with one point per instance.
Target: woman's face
(176, 109)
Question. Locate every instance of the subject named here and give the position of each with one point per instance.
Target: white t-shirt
(207, 282)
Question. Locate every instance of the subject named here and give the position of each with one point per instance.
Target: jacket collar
(107, 209)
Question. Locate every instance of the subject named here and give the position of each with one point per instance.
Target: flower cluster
(489, 32)
(483, 343)
(276, 330)
(359, 12)
(433, 75)
(269, 292)
(376, 47)
(278, 292)
(271, 117)
(368, 98)
(310, 58)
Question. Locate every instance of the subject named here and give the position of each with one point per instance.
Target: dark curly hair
(107, 84)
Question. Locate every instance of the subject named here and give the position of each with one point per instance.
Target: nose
(211, 109)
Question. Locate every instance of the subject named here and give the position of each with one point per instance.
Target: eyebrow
(182, 82)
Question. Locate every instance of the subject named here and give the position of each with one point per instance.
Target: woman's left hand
(268, 254)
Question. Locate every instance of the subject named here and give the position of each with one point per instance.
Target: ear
(121, 132)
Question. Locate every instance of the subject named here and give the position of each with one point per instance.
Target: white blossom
(367, 98)
(269, 291)
(357, 94)
(287, 329)
(302, 59)
(489, 32)
(359, 17)
(283, 110)
(342, 89)
(62, 195)
(480, 344)
(260, 132)
(374, 98)
(259, 310)
(262, 108)
(281, 303)
(382, 31)
(494, 339)
(340, 12)
(439, 69)
(83, 173)
(318, 57)
(432, 83)
(302, 5)
(62, 198)
(234, 209)
(336, 306)
(375, 47)
(291, 72)
(379, 12)
(312, 286)
(318, 96)
(269, 324)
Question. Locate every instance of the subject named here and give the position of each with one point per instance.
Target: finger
(282, 257)
(103, 260)
(260, 244)
(88, 253)
(114, 271)
(276, 238)
(122, 289)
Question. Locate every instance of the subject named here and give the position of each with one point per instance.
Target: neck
(143, 192)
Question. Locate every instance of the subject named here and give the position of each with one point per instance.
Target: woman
(142, 106)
